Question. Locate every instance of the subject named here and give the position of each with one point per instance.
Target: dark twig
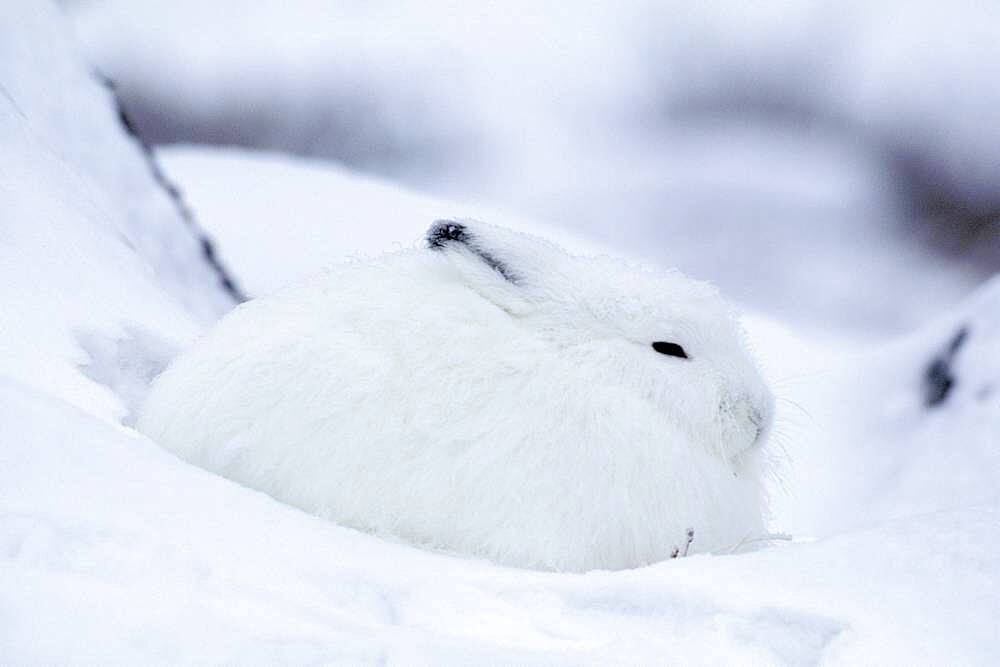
(677, 553)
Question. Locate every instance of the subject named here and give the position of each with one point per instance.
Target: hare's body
(479, 397)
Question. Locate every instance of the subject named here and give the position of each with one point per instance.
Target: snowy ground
(112, 551)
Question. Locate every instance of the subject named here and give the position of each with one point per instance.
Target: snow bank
(876, 432)
(92, 250)
(167, 563)
(60, 130)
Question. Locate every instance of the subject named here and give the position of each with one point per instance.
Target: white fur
(424, 396)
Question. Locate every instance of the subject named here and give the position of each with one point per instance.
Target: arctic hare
(488, 394)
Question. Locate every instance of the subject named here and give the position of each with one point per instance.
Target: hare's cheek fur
(708, 408)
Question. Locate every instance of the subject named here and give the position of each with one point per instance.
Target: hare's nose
(761, 420)
(760, 434)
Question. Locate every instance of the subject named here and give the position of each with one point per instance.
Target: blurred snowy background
(831, 166)
(764, 146)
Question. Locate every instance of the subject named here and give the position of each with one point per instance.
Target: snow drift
(92, 248)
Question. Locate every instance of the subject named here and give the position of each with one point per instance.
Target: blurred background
(831, 164)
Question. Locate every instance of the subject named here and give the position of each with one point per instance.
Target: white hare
(489, 394)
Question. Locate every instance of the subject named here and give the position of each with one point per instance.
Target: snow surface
(91, 248)
(865, 443)
(882, 450)
(113, 551)
(57, 121)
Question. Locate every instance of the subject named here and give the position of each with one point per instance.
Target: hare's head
(666, 340)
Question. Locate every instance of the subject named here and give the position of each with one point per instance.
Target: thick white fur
(525, 419)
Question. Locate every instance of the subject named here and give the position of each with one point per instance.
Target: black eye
(670, 349)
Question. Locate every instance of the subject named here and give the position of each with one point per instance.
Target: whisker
(747, 539)
(801, 409)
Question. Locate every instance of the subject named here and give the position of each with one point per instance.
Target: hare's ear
(451, 234)
(519, 259)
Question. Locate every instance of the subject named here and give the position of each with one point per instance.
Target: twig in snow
(687, 546)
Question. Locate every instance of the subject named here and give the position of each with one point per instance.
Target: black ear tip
(443, 231)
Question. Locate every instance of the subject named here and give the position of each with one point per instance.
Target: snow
(90, 245)
(884, 450)
(326, 213)
(113, 551)
(59, 123)
(168, 563)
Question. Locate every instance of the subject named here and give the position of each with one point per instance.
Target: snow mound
(901, 428)
(59, 124)
(942, 412)
(92, 250)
